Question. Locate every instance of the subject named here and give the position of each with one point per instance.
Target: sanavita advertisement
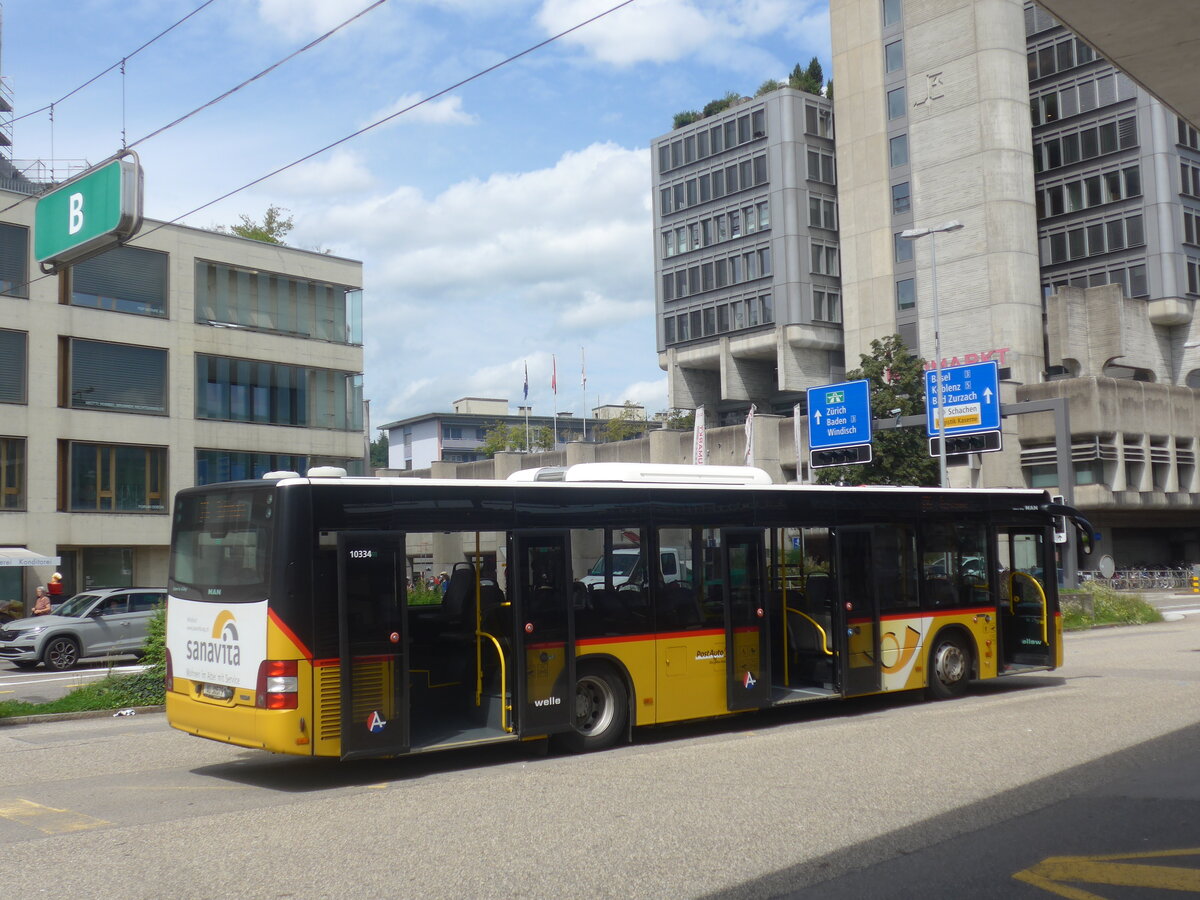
(217, 643)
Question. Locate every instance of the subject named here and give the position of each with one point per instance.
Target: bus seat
(818, 592)
(457, 605)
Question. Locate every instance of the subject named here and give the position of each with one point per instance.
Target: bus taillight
(278, 684)
(169, 674)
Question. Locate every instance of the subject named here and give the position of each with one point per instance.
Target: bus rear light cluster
(278, 684)
(169, 674)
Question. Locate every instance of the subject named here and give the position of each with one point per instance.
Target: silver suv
(107, 622)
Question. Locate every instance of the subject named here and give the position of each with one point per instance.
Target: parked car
(107, 622)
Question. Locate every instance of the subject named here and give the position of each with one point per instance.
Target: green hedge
(1096, 604)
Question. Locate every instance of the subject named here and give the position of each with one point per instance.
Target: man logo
(225, 627)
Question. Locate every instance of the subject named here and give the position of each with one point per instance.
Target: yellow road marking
(47, 819)
(1050, 873)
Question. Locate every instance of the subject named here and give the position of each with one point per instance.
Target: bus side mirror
(1060, 522)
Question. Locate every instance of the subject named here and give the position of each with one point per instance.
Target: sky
(503, 225)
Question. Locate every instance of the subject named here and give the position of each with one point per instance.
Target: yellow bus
(299, 621)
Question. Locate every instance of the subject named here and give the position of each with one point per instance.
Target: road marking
(47, 819)
(1049, 873)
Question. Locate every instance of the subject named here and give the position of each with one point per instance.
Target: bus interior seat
(939, 592)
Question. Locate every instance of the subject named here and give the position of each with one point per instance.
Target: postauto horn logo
(223, 648)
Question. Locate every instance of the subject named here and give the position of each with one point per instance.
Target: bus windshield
(221, 545)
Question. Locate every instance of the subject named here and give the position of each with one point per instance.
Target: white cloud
(443, 111)
(662, 31)
(649, 30)
(308, 18)
(342, 172)
(466, 287)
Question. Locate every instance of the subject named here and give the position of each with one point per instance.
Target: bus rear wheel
(601, 710)
(949, 668)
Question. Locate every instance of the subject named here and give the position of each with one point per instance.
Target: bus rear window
(221, 544)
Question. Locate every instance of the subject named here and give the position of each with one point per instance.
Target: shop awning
(20, 556)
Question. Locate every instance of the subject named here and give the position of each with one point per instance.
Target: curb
(82, 714)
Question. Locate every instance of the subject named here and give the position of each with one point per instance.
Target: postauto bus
(293, 625)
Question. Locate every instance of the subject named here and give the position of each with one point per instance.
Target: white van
(627, 567)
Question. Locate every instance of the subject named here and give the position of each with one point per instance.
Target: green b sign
(89, 214)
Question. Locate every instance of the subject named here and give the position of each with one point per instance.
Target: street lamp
(911, 235)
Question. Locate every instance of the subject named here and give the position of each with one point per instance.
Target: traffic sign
(971, 396)
(839, 415)
(91, 213)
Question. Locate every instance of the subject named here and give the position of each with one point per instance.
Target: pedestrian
(55, 588)
(41, 603)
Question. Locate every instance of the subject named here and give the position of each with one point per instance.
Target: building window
(13, 365)
(265, 301)
(14, 256)
(213, 466)
(901, 199)
(824, 259)
(820, 166)
(891, 12)
(822, 212)
(827, 306)
(766, 309)
(116, 377)
(906, 293)
(125, 279)
(896, 103)
(903, 248)
(244, 390)
(893, 55)
(898, 150)
(12, 473)
(116, 478)
(669, 330)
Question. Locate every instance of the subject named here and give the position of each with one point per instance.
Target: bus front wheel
(601, 710)
(949, 668)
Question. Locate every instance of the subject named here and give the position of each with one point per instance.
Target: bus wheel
(949, 668)
(601, 710)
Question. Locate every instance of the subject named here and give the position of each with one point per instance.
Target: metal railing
(1166, 579)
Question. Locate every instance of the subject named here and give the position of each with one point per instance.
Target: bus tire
(949, 667)
(601, 710)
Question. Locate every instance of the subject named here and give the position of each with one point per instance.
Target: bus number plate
(217, 691)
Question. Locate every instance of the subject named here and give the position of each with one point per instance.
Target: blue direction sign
(971, 396)
(839, 415)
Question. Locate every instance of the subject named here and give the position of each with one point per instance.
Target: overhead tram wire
(385, 119)
(118, 64)
(115, 65)
(268, 70)
(366, 128)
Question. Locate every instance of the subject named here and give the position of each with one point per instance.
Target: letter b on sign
(75, 213)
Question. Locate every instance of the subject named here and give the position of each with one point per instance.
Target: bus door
(372, 639)
(540, 573)
(747, 637)
(1028, 630)
(856, 615)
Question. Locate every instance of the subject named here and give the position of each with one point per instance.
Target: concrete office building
(1079, 213)
(184, 357)
(747, 261)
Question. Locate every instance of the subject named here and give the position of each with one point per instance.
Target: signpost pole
(943, 479)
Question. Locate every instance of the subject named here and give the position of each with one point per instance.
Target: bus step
(782, 696)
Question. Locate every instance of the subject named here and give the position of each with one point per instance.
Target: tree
(897, 386)
(767, 86)
(677, 419)
(624, 426)
(715, 106)
(687, 117)
(273, 228)
(808, 79)
(502, 437)
(379, 451)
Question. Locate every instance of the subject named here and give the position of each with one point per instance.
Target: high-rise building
(747, 261)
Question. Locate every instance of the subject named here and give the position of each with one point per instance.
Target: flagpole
(554, 389)
(583, 389)
(526, 404)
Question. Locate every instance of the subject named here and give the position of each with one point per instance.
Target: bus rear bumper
(278, 731)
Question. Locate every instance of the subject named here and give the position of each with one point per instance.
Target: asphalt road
(886, 797)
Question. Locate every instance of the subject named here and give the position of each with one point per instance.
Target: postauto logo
(223, 648)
